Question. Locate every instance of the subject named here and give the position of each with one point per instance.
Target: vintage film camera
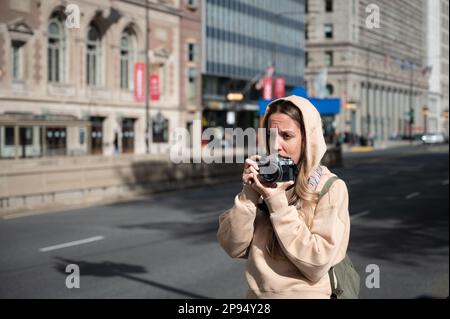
(274, 168)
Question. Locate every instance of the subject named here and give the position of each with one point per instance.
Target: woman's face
(287, 140)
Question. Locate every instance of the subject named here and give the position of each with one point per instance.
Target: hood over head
(315, 142)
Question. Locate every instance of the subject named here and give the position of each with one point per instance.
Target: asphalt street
(165, 246)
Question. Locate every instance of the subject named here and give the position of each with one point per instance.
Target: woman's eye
(286, 136)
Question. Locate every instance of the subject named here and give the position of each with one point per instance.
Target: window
(127, 59)
(328, 58)
(191, 87)
(93, 56)
(55, 51)
(17, 59)
(306, 59)
(306, 6)
(9, 135)
(328, 31)
(192, 52)
(306, 32)
(328, 5)
(191, 4)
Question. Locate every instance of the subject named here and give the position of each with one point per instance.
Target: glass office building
(241, 38)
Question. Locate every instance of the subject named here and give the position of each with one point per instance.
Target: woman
(289, 238)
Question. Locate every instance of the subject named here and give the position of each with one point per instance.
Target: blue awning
(327, 106)
(324, 106)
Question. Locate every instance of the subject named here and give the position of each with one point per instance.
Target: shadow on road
(111, 269)
(194, 231)
(200, 208)
(404, 231)
(409, 240)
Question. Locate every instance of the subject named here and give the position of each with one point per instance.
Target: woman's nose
(276, 145)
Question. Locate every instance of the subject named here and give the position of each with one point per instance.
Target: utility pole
(411, 110)
(147, 71)
(367, 95)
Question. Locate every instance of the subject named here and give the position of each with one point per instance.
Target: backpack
(344, 279)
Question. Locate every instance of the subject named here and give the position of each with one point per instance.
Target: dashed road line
(72, 243)
(358, 215)
(412, 195)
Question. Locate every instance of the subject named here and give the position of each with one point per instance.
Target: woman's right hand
(250, 170)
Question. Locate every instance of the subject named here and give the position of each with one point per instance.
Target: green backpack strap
(323, 191)
(327, 186)
(344, 279)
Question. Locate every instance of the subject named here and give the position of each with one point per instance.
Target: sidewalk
(379, 145)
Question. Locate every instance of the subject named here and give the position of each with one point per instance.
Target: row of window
(36, 141)
(327, 5)
(328, 58)
(57, 56)
(327, 31)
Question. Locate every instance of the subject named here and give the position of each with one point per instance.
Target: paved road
(165, 246)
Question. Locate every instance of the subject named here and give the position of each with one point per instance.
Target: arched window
(93, 56)
(127, 59)
(56, 52)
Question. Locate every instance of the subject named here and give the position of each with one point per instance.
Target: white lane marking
(358, 215)
(412, 195)
(445, 182)
(72, 243)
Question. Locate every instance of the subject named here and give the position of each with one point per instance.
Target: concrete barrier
(35, 184)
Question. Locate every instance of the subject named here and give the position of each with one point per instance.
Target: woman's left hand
(268, 189)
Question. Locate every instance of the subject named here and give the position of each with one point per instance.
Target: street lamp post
(411, 110)
(147, 71)
(425, 119)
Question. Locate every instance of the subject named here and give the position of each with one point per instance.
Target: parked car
(434, 138)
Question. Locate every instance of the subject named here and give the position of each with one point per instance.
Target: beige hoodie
(302, 272)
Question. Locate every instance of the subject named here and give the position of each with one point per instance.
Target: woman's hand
(268, 189)
(250, 170)
(251, 177)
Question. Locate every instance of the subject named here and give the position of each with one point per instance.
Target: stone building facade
(69, 89)
(376, 66)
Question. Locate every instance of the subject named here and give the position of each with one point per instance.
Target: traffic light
(411, 117)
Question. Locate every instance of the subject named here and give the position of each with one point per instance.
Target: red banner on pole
(279, 87)
(139, 81)
(267, 88)
(154, 87)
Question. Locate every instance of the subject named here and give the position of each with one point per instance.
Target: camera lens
(271, 172)
(270, 178)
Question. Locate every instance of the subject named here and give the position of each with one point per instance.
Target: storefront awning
(29, 119)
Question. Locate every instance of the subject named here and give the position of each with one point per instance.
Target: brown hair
(300, 193)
